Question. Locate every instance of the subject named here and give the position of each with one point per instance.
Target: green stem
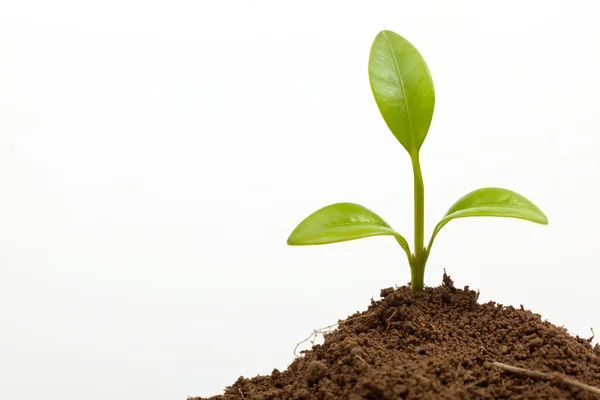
(417, 277)
(418, 265)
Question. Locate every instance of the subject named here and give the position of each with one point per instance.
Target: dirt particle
(385, 292)
(315, 371)
(447, 282)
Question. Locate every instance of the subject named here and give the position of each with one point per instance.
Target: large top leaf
(402, 87)
(492, 202)
(342, 222)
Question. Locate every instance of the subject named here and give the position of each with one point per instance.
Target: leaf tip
(291, 240)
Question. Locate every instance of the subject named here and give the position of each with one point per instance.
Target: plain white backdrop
(154, 157)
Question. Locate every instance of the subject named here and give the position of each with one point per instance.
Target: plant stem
(417, 277)
(418, 264)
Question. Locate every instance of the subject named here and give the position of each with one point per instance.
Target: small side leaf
(492, 202)
(341, 222)
(403, 88)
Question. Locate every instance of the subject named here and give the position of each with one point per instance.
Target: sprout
(403, 90)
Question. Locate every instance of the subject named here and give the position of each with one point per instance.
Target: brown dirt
(438, 344)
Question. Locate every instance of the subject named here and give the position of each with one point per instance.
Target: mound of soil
(438, 344)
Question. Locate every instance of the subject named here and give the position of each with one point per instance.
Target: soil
(438, 344)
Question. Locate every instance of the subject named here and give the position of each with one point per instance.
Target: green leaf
(341, 222)
(492, 202)
(403, 88)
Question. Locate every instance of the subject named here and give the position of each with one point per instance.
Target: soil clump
(438, 344)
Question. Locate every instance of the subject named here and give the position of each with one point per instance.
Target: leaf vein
(401, 80)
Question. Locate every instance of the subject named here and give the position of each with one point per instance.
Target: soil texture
(438, 344)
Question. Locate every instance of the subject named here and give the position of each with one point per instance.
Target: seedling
(403, 90)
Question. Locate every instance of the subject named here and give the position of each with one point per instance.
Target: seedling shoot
(403, 90)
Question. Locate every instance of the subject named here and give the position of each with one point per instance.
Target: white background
(154, 157)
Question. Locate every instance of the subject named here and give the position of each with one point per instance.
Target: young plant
(403, 90)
